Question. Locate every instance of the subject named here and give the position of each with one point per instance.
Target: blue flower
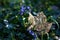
(28, 7)
(23, 7)
(32, 33)
(22, 10)
(21, 13)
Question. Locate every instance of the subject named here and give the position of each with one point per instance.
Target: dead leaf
(39, 22)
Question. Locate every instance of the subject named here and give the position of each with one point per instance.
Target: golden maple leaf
(39, 22)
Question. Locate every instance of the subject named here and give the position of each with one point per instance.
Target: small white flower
(53, 28)
(56, 37)
(7, 25)
(23, 18)
(51, 16)
(59, 39)
(11, 13)
(23, 1)
(3, 9)
(5, 20)
(16, 16)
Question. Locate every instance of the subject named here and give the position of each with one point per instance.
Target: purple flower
(21, 13)
(22, 10)
(23, 7)
(28, 7)
(32, 33)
